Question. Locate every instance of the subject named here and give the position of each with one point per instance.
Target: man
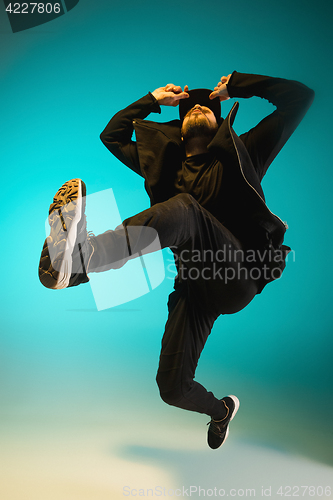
(207, 205)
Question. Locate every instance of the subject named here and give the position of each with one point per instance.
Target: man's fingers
(183, 95)
(169, 95)
(173, 88)
(177, 90)
(225, 79)
(176, 98)
(218, 90)
(217, 93)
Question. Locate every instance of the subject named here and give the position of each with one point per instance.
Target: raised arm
(117, 135)
(292, 100)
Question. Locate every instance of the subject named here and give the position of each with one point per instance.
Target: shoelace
(216, 429)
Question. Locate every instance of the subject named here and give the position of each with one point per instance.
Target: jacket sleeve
(292, 100)
(117, 135)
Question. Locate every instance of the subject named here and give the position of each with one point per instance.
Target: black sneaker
(219, 429)
(67, 251)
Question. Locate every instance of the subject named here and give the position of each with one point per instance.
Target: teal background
(79, 385)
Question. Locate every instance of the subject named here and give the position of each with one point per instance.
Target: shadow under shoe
(218, 430)
(67, 251)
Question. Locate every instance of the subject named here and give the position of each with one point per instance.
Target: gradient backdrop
(80, 412)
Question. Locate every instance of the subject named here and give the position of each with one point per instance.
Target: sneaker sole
(58, 276)
(66, 265)
(236, 401)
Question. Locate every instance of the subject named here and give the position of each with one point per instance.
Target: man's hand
(170, 95)
(221, 90)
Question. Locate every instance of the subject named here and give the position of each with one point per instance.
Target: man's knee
(178, 206)
(185, 199)
(171, 393)
(172, 397)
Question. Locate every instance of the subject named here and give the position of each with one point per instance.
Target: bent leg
(186, 331)
(163, 225)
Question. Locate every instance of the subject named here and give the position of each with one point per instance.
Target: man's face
(199, 120)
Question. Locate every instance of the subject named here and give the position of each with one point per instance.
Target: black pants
(212, 280)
